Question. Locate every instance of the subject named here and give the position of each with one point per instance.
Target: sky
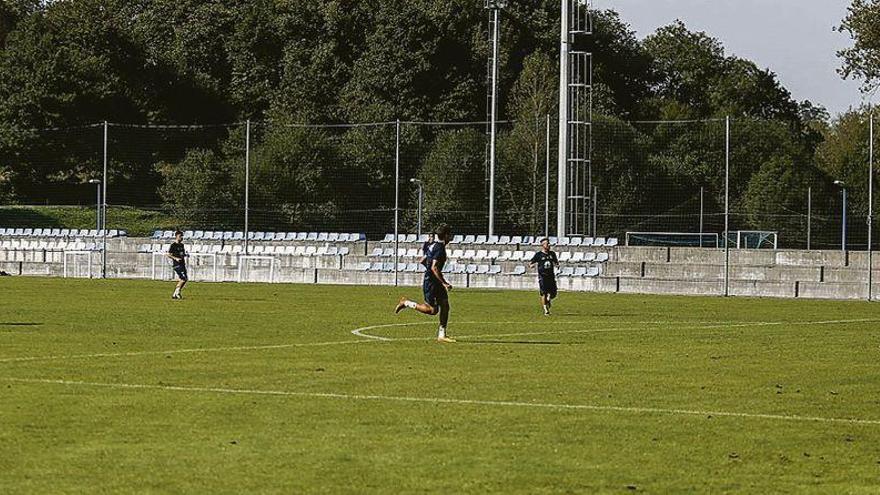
(793, 38)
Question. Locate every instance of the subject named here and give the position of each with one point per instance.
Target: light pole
(419, 184)
(842, 186)
(97, 183)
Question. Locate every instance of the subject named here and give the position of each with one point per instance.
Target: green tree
(862, 60)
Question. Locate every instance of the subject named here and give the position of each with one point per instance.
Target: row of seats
(22, 245)
(460, 268)
(209, 235)
(60, 233)
(494, 255)
(495, 240)
(238, 249)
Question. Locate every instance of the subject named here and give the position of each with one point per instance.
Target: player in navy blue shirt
(177, 253)
(547, 262)
(425, 248)
(435, 287)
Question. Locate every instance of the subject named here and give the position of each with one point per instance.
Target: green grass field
(110, 386)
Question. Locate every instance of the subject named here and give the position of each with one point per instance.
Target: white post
(809, 217)
(871, 207)
(103, 228)
(494, 117)
(396, 202)
(727, 206)
(843, 223)
(563, 122)
(701, 217)
(547, 184)
(247, 183)
(421, 199)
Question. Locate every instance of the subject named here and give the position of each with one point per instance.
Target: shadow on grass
(19, 324)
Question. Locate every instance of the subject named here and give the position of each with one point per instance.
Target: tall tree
(862, 60)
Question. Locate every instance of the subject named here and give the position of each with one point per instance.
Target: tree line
(289, 66)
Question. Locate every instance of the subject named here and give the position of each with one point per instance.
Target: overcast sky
(793, 38)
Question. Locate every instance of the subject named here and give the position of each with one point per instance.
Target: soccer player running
(435, 287)
(177, 253)
(547, 262)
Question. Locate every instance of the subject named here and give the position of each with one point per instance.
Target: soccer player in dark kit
(547, 263)
(177, 254)
(435, 287)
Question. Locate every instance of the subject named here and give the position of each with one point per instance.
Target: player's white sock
(177, 291)
(442, 332)
(410, 304)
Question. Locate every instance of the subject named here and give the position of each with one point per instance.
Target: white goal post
(243, 266)
(75, 264)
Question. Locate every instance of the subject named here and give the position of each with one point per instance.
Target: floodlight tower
(575, 121)
(494, 7)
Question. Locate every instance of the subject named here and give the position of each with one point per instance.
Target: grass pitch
(110, 386)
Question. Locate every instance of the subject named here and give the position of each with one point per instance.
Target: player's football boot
(400, 305)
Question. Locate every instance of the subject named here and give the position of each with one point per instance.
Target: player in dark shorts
(547, 263)
(177, 253)
(434, 286)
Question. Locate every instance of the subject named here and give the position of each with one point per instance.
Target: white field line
(360, 332)
(440, 400)
(366, 338)
(181, 351)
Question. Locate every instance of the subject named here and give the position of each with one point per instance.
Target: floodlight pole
(727, 206)
(418, 183)
(494, 116)
(103, 228)
(871, 207)
(397, 202)
(547, 184)
(97, 183)
(564, 49)
(247, 183)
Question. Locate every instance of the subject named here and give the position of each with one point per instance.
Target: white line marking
(439, 400)
(360, 332)
(181, 351)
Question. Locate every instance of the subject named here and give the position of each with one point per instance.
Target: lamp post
(97, 183)
(419, 184)
(842, 186)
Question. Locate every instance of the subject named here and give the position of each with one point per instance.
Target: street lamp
(97, 183)
(842, 186)
(419, 183)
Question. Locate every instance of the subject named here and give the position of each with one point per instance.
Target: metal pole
(871, 207)
(247, 184)
(701, 217)
(547, 184)
(726, 206)
(98, 208)
(809, 217)
(420, 209)
(494, 117)
(595, 211)
(563, 122)
(843, 222)
(396, 202)
(104, 207)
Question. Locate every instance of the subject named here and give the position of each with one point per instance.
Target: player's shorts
(181, 272)
(434, 291)
(547, 286)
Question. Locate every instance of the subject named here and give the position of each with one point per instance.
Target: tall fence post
(701, 216)
(104, 208)
(397, 203)
(547, 183)
(247, 183)
(871, 206)
(809, 217)
(727, 206)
